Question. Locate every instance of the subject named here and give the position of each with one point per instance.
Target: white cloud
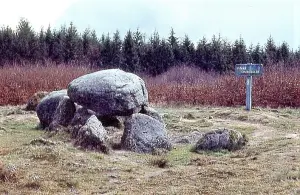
(38, 12)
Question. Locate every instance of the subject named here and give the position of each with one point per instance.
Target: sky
(253, 20)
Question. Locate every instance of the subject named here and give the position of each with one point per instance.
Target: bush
(278, 87)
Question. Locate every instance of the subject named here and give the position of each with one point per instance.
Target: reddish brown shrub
(18, 84)
(278, 87)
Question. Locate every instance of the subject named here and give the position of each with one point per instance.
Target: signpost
(248, 70)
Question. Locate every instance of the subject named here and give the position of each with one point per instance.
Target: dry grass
(8, 173)
(269, 164)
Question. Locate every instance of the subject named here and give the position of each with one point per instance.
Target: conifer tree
(86, 42)
(116, 50)
(130, 62)
(42, 47)
(187, 50)
(72, 44)
(27, 41)
(7, 45)
(271, 51)
(215, 54)
(257, 55)
(239, 52)
(165, 57)
(106, 51)
(58, 48)
(49, 39)
(94, 55)
(297, 54)
(174, 43)
(139, 46)
(227, 56)
(284, 52)
(202, 54)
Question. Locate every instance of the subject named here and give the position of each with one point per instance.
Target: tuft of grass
(45, 154)
(243, 118)
(159, 161)
(180, 155)
(244, 129)
(204, 123)
(8, 173)
(42, 141)
(288, 174)
(33, 185)
(68, 183)
(189, 116)
(216, 153)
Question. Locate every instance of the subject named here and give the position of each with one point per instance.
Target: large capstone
(144, 134)
(48, 105)
(110, 92)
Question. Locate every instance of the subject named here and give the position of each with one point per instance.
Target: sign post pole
(248, 93)
(248, 71)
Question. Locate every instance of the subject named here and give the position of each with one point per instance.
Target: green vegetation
(137, 52)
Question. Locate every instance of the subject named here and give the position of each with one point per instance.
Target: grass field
(269, 164)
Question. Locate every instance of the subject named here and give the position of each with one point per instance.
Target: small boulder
(35, 100)
(221, 139)
(93, 135)
(144, 134)
(81, 115)
(80, 118)
(47, 107)
(64, 113)
(152, 113)
(110, 92)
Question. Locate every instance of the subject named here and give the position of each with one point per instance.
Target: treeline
(135, 52)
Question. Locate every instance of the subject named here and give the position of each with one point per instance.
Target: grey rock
(221, 139)
(144, 134)
(152, 112)
(81, 115)
(47, 107)
(110, 92)
(93, 135)
(80, 118)
(64, 113)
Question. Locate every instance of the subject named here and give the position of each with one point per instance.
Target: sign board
(248, 70)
